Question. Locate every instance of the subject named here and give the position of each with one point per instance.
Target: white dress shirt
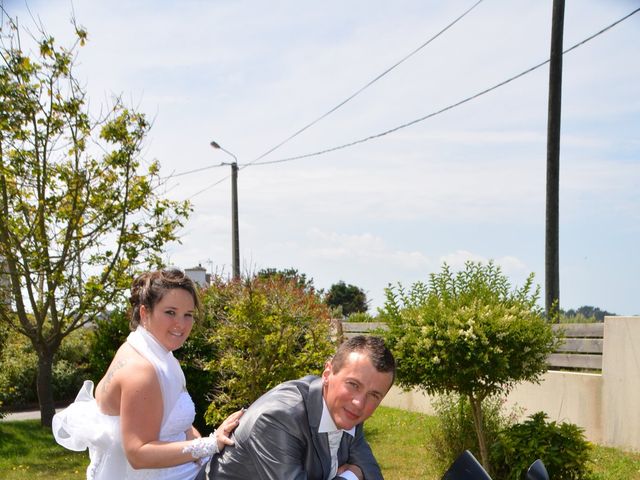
(334, 435)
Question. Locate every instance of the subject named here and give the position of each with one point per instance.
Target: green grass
(400, 442)
(28, 451)
(399, 439)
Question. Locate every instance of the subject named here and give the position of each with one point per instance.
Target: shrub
(562, 447)
(194, 356)
(109, 333)
(263, 331)
(18, 373)
(360, 317)
(20, 367)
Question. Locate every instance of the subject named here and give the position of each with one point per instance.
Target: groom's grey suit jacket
(278, 439)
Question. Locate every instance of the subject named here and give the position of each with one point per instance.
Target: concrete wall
(564, 397)
(621, 382)
(606, 406)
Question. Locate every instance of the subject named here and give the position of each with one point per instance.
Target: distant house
(199, 275)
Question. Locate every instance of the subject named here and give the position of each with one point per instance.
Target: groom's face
(354, 392)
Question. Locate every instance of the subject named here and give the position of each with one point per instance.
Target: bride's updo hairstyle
(148, 289)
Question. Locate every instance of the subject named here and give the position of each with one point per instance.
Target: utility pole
(552, 263)
(235, 231)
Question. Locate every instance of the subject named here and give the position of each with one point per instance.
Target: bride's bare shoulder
(127, 368)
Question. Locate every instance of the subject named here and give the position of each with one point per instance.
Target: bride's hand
(223, 432)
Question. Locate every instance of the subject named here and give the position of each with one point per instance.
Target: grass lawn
(28, 451)
(399, 439)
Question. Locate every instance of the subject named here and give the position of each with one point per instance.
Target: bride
(139, 424)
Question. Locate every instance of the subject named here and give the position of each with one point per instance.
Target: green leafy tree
(349, 298)
(79, 212)
(263, 331)
(585, 314)
(468, 333)
(290, 274)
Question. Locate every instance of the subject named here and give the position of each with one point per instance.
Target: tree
(78, 214)
(468, 333)
(586, 313)
(289, 274)
(352, 299)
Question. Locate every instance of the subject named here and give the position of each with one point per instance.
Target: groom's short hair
(380, 356)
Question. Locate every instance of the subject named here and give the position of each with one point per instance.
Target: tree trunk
(478, 422)
(45, 388)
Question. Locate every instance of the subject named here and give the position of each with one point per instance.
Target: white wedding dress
(82, 425)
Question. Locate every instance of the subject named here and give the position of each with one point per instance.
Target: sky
(464, 184)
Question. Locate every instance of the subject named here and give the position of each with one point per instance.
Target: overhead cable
(359, 91)
(442, 110)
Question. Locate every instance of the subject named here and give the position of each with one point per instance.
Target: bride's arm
(140, 421)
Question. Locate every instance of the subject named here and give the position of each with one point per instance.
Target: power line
(406, 57)
(425, 117)
(188, 172)
(208, 188)
(445, 109)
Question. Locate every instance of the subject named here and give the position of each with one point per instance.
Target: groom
(311, 428)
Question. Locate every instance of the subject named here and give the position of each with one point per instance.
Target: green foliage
(455, 431)
(75, 226)
(289, 274)
(263, 331)
(350, 298)
(575, 318)
(467, 333)
(71, 366)
(562, 447)
(108, 334)
(20, 365)
(194, 357)
(18, 373)
(360, 317)
(584, 314)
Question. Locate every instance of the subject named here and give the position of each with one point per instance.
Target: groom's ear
(327, 371)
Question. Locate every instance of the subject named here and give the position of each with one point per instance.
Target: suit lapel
(314, 413)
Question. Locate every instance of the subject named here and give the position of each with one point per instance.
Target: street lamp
(235, 240)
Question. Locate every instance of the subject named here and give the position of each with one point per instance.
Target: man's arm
(276, 451)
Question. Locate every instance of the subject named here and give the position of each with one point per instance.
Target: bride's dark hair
(148, 289)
